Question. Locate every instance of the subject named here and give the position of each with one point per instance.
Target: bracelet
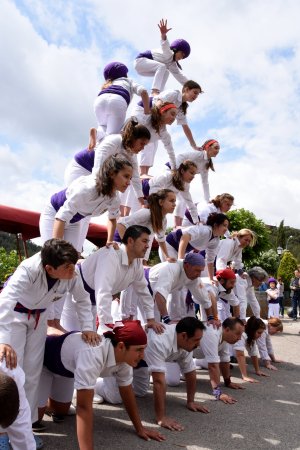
(227, 381)
(209, 318)
(166, 319)
(217, 392)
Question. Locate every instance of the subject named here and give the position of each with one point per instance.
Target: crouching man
(176, 344)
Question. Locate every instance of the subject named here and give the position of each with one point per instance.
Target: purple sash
(118, 90)
(146, 273)
(52, 356)
(87, 287)
(58, 199)
(147, 54)
(173, 239)
(85, 159)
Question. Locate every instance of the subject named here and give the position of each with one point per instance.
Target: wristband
(211, 317)
(227, 381)
(217, 392)
(166, 319)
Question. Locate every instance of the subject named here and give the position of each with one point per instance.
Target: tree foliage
(281, 239)
(287, 266)
(242, 218)
(9, 261)
(268, 260)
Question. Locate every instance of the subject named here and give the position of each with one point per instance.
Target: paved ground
(267, 414)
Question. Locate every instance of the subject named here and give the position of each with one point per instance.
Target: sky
(245, 55)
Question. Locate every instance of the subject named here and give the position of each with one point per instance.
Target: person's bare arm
(185, 239)
(161, 304)
(111, 226)
(191, 381)
(84, 419)
(240, 356)
(58, 229)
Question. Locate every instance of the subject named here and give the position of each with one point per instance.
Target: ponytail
(156, 215)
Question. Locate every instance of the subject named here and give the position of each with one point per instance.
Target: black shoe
(58, 418)
(233, 359)
(39, 426)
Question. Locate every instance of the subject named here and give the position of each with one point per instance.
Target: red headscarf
(130, 332)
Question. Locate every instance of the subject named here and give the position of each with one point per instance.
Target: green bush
(287, 266)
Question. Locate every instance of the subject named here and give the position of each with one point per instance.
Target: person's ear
(49, 269)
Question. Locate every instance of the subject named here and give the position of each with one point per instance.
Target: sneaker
(97, 399)
(58, 418)
(4, 442)
(72, 410)
(39, 442)
(233, 359)
(38, 426)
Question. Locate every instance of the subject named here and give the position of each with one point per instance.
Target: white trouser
(108, 389)
(54, 386)
(171, 252)
(223, 310)
(29, 344)
(110, 110)
(273, 310)
(74, 171)
(130, 305)
(241, 293)
(150, 68)
(75, 233)
(69, 318)
(172, 374)
(147, 155)
(130, 199)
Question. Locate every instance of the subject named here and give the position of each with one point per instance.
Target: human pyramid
(136, 321)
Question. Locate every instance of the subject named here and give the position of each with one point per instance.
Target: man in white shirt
(223, 294)
(245, 292)
(109, 271)
(176, 344)
(38, 281)
(70, 363)
(214, 348)
(166, 278)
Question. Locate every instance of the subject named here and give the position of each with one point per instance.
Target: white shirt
(219, 292)
(82, 198)
(212, 347)
(173, 96)
(143, 217)
(108, 272)
(202, 239)
(89, 362)
(112, 145)
(167, 277)
(242, 345)
(229, 250)
(165, 55)
(126, 83)
(165, 182)
(20, 431)
(200, 159)
(163, 135)
(264, 344)
(28, 286)
(162, 348)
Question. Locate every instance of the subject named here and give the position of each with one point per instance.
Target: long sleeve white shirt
(112, 145)
(108, 272)
(164, 181)
(82, 198)
(229, 250)
(200, 159)
(165, 55)
(163, 135)
(28, 286)
(173, 96)
(202, 239)
(143, 217)
(264, 345)
(167, 277)
(20, 431)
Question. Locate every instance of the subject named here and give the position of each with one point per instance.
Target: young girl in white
(160, 204)
(87, 196)
(158, 63)
(254, 328)
(203, 160)
(222, 203)
(113, 100)
(190, 92)
(264, 343)
(272, 297)
(129, 143)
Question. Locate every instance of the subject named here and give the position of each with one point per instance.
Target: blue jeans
(296, 305)
(281, 305)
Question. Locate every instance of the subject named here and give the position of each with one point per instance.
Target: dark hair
(134, 232)
(111, 335)
(156, 215)
(219, 198)
(9, 400)
(216, 219)
(253, 324)
(189, 325)
(156, 117)
(56, 252)
(133, 130)
(112, 165)
(231, 322)
(190, 84)
(177, 180)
